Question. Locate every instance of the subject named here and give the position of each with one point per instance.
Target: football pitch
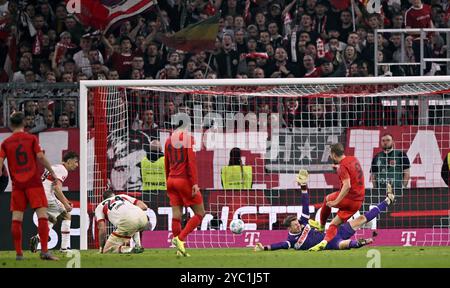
(389, 257)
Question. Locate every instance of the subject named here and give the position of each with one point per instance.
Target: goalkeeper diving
(304, 233)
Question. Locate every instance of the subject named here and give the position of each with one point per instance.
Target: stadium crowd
(256, 39)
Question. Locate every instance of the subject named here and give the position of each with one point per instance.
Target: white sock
(137, 239)
(65, 234)
(125, 249)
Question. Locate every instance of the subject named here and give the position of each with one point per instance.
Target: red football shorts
(179, 191)
(347, 207)
(28, 193)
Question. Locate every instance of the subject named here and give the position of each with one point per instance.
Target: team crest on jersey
(392, 162)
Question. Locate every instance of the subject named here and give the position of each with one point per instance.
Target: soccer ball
(237, 226)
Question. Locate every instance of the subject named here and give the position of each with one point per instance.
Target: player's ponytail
(235, 159)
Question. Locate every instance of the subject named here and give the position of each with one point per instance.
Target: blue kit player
(304, 233)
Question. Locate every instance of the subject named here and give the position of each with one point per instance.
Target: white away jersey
(47, 179)
(115, 208)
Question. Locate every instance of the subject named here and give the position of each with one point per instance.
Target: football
(237, 226)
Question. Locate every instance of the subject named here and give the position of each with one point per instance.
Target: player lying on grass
(128, 215)
(302, 236)
(58, 205)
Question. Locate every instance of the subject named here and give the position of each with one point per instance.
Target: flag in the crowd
(372, 6)
(26, 21)
(210, 9)
(9, 55)
(255, 55)
(9, 66)
(37, 44)
(101, 15)
(4, 33)
(61, 49)
(340, 4)
(196, 37)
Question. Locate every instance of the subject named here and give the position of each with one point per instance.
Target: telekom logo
(251, 238)
(408, 237)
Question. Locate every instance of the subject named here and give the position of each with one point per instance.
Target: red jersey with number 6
(349, 167)
(179, 157)
(20, 149)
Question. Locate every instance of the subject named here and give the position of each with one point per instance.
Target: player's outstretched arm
(141, 205)
(101, 234)
(57, 187)
(1, 163)
(302, 181)
(344, 191)
(272, 247)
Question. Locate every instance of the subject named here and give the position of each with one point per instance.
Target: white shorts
(135, 220)
(55, 208)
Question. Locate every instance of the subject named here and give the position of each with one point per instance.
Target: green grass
(403, 257)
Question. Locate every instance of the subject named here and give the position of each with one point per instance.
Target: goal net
(399, 129)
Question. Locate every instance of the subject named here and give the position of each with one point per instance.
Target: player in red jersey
(349, 199)
(182, 185)
(22, 149)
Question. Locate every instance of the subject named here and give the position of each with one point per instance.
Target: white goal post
(288, 87)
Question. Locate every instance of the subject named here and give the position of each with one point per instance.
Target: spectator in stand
(121, 61)
(170, 110)
(310, 69)
(84, 58)
(260, 21)
(198, 74)
(71, 112)
(63, 121)
(419, 16)
(275, 38)
(138, 65)
(317, 116)
(281, 67)
(51, 78)
(228, 59)
(293, 113)
(258, 73)
(24, 65)
(346, 25)
(49, 119)
(113, 75)
(29, 122)
(191, 66)
(30, 77)
(65, 42)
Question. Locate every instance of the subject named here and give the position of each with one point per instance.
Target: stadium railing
(423, 37)
(15, 95)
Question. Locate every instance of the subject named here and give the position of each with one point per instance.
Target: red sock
(16, 230)
(176, 227)
(190, 226)
(43, 233)
(324, 212)
(331, 232)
